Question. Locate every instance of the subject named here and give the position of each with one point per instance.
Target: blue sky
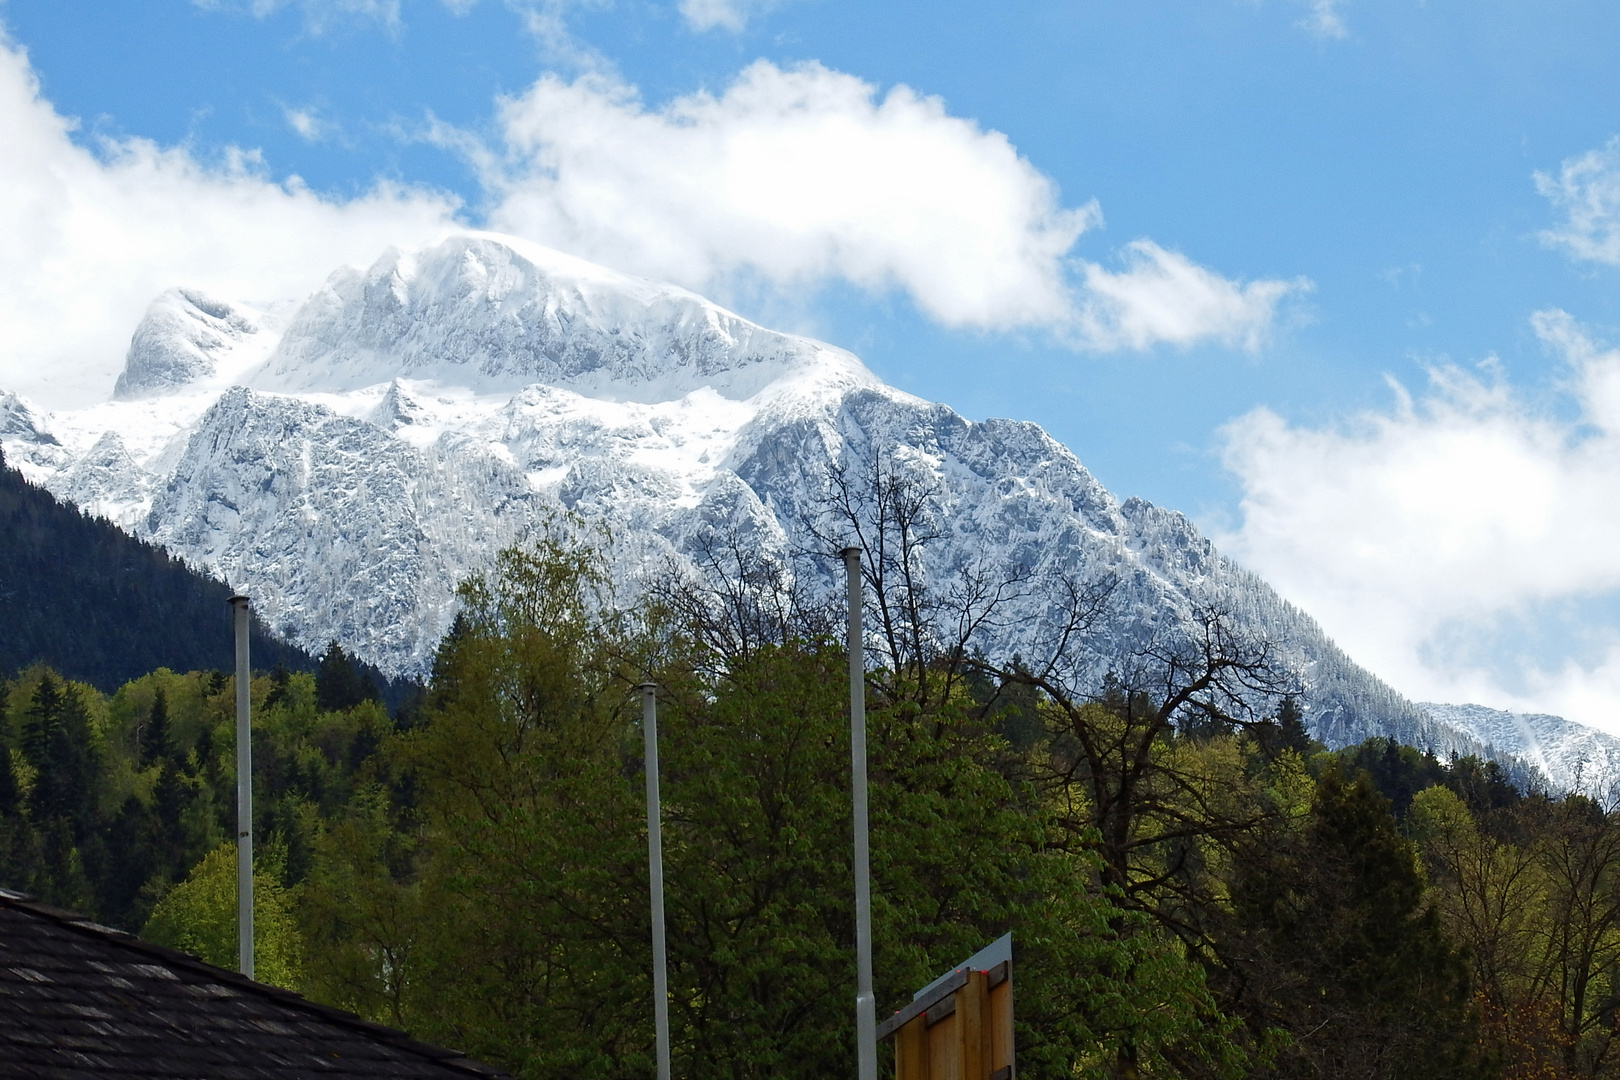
(1356, 182)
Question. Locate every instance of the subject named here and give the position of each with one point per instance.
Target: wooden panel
(970, 1027)
(1000, 1013)
(911, 1050)
(944, 1050)
(962, 1030)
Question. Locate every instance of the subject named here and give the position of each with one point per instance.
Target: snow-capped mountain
(1572, 756)
(349, 459)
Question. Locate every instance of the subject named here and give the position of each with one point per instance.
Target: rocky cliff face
(414, 418)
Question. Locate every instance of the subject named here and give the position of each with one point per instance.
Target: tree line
(1195, 887)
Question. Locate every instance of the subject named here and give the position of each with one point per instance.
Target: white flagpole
(244, 792)
(865, 1002)
(655, 863)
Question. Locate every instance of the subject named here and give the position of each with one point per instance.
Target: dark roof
(81, 1000)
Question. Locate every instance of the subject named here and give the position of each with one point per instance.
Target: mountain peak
(419, 415)
(184, 338)
(496, 314)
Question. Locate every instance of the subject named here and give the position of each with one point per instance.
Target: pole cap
(851, 552)
(240, 598)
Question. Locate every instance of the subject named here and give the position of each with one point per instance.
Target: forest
(1195, 888)
(78, 592)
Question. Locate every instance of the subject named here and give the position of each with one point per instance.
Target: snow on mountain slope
(1573, 756)
(185, 338)
(498, 314)
(347, 462)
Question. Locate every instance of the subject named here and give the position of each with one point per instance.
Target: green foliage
(361, 908)
(1192, 891)
(198, 916)
(1352, 950)
(533, 950)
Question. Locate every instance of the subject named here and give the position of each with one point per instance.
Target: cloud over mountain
(803, 175)
(792, 177)
(93, 234)
(1436, 540)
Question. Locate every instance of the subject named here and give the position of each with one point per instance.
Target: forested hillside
(1194, 887)
(97, 605)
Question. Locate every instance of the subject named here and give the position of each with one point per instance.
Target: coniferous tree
(10, 796)
(15, 836)
(280, 680)
(67, 783)
(1291, 726)
(156, 742)
(57, 743)
(339, 682)
(60, 610)
(1354, 962)
(169, 800)
(40, 720)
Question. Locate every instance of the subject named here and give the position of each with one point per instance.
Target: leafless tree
(738, 597)
(931, 623)
(1111, 764)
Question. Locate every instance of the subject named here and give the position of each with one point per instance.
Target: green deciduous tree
(198, 916)
(531, 951)
(1355, 967)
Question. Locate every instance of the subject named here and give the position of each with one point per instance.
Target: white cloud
(803, 175)
(1587, 190)
(1322, 20)
(319, 15)
(307, 123)
(92, 237)
(1162, 296)
(730, 15)
(1417, 535)
(798, 174)
(791, 178)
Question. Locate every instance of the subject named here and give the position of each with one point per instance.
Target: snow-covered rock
(413, 418)
(181, 341)
(499, 314)
(1572, 756)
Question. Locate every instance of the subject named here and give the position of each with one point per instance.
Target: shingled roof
(80, 1000)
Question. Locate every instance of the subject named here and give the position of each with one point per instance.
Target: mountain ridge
(402, 429)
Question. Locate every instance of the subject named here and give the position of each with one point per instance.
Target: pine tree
(66, 784)
(1286, 731)
(1291, 721)
(10, 795)
(39, 721)
(339, 682)
(156, 743)
(1354, 961)
(280, 679)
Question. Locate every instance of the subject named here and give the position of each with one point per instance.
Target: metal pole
(655, 864)
(244, 793)
(865, 1002)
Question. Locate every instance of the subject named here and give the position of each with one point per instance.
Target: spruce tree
(9, 792)
(1352, 958)
(66, 785)
(1291, 721)
(40, 719)
(169, 799)
(156, 743)
(339, 682)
